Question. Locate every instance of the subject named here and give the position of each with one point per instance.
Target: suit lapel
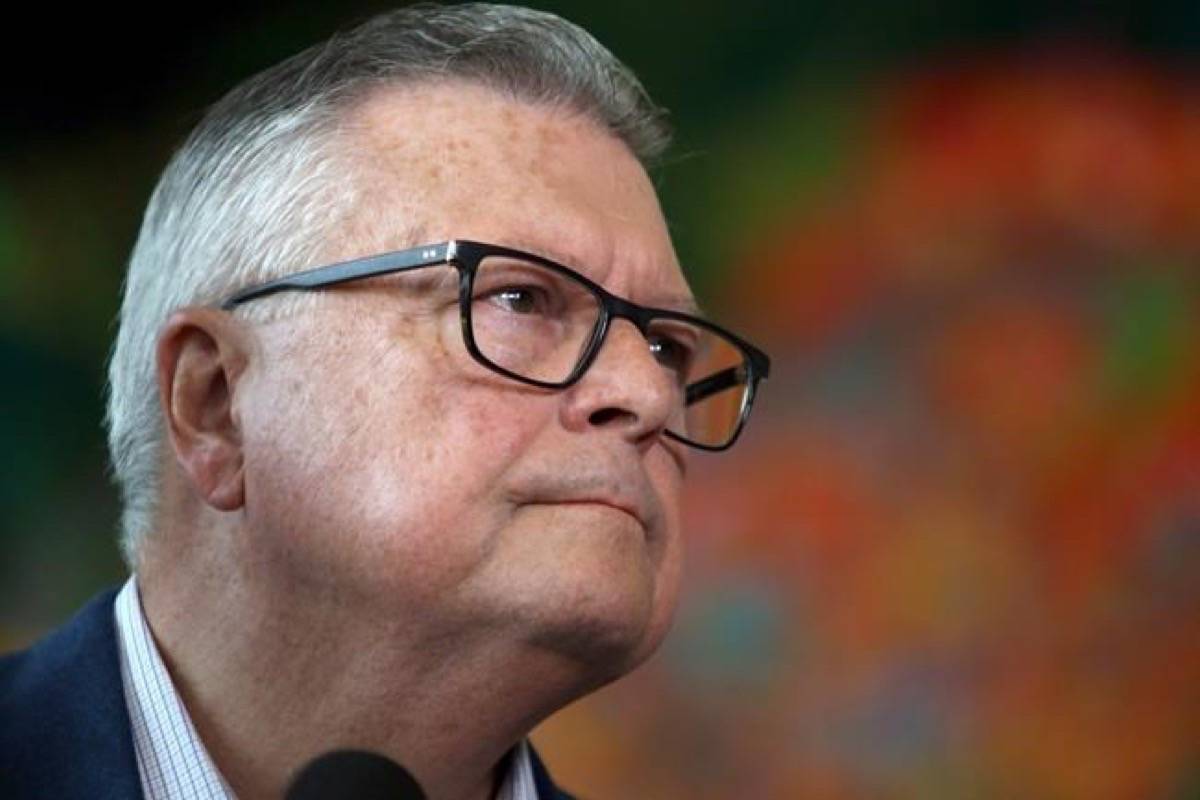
(64, 726)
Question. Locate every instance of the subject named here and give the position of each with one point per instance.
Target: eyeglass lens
(537, 322)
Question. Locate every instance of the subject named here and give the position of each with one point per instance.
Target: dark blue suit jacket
(64, 727)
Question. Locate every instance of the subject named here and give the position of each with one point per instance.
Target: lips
(631, 496)
(618, 505)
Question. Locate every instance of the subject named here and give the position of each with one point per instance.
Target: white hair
(254, 190)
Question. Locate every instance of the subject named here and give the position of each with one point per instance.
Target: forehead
(455, 160)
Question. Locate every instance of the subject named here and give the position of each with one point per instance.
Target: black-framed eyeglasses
(538, 322)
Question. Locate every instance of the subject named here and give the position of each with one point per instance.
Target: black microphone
(355, 774)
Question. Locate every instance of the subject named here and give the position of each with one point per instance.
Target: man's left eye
(671, 353)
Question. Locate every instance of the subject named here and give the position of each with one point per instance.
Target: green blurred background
(957, 553)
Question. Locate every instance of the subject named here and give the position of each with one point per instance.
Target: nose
(625, 390)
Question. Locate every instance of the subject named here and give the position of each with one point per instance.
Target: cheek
(387, 468)
(433, 497)
(322, 461)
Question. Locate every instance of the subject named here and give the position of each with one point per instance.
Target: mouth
(616, 489)
(599, 502)
(618, 506)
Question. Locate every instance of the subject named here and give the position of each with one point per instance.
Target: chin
(604, 637)
(595, 643)
(583, 586)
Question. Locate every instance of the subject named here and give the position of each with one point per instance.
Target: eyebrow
(683, 303)
(422, 280)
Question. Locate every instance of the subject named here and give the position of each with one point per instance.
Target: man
(413, 502)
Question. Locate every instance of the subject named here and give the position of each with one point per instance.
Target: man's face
(390, 475)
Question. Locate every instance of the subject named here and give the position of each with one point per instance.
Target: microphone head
(354, 773)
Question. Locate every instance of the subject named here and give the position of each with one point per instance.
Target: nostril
(604, 416)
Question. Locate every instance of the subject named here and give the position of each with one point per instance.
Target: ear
(201, 355)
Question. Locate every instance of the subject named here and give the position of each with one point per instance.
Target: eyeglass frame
(466, 256)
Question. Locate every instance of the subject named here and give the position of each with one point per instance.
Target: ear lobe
(201, 354)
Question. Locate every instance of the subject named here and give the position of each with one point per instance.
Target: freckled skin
(426, 446)
(415, 538)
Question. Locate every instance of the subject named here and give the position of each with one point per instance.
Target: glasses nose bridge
(619, 308)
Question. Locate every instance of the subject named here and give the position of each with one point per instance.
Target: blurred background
(957, 553)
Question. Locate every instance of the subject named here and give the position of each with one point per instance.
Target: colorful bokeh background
(957, 553)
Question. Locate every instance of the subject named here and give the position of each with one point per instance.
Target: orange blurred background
(957, 552)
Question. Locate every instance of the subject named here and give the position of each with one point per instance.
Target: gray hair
(252, 191)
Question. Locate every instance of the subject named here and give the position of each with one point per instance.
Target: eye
(520, 299)
(673, 354)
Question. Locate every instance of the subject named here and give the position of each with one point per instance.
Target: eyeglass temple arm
(347, 271)
(717, 382)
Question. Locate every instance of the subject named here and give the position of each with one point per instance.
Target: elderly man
(412, 501)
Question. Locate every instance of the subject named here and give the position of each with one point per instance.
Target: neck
(271, 683)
